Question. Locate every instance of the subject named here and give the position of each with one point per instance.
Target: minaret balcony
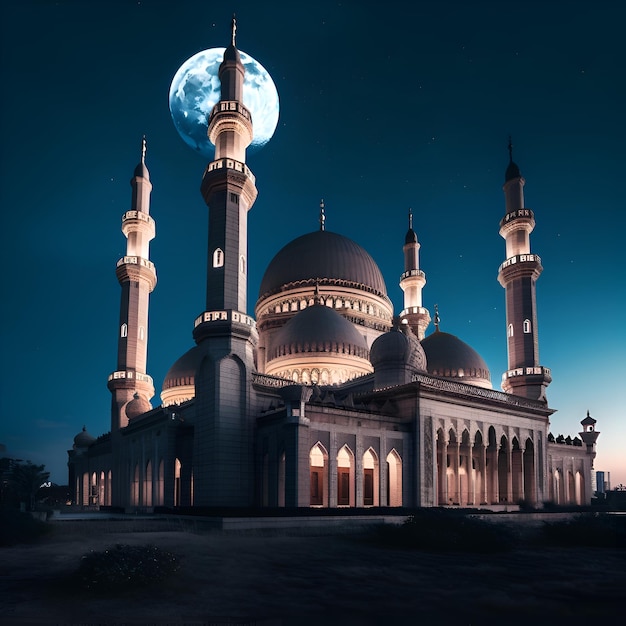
(138, 221)
(539, 371)
(227, 321)
(128, 375)
(230, 116)
(136, 268)
(516, 220)
(519, 265)
(412, 273)
(227, 106)
(231, 164)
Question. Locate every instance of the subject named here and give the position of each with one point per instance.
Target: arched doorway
(394, 479)
(345, 477)
(370, 478)
(318, 465)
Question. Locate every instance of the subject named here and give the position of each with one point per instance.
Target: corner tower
(412, 282)
(223, 459)
(518, 275)
(137, 277)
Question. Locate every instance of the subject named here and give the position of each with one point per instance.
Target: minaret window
(142, 333)
(124, 330)
(510, 330)
(526, 326)
(234, 198)
(242, 264)
(218, 258)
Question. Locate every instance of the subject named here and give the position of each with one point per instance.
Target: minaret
(412, 282)
(518, 275)
(137, 277)
(223, 455)
(228, 189)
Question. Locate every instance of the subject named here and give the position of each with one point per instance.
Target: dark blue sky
(381, 110)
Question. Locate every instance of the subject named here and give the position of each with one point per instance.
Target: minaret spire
(143, 149)
(518, 275)
(412, 282)
(437, 319)
(233, 30)
(322, 216)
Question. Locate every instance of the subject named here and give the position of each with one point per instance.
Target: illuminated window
(242, 264)
(124, 330)
(526, 326)
(510, 330)
(218, 258)
(142, 332)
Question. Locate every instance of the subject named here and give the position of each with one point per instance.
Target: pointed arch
(504, 470)
(394, 478)
(134, 497)
(218, 258)
(178, 466)
(282, 478)
(160, 491)
(371, 488)
(318, 469)
(530, 486)
(345, 477)
(147, 485)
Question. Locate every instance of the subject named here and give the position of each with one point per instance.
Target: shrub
(447, 531)
(125, 566)
(17, 527)
(586, 530)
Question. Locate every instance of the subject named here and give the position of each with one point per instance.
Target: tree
(26, 479)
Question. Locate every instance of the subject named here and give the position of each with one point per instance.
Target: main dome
(449, 357)
(326, 257)
(179, 384)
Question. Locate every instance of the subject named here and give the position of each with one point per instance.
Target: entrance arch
(371, 487)
(345, 477)
(318, 466)
(394, 479)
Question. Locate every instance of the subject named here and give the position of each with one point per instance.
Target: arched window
(527, 326)
(124, 330)
(370, 478)
(218, 258)
(394, 479)
(318, 465)
(345, 477)
(147, 485)
(242, 264)
(510, 331)
(142, 333)
(177, 470)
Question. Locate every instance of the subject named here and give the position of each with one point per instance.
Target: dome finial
(437, 319)
(233, 29)
(322, 215)
(143, 149)
(410, 219)
(316, 294)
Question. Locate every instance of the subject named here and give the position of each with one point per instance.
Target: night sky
(382, 110)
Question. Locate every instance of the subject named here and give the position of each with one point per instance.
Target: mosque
(325, 398)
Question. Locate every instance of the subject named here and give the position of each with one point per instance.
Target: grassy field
(302, 578)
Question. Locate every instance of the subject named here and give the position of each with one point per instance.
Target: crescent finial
(143, 149)
(233, 27)
(410, 219)
(437, 319)
(322, 215)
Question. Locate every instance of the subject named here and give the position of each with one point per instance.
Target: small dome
(323, 255)
(512, 171)
(83, 439)
(318, 328)
(141, 171)
(411, 237)
(449, 357)
(180, 380)
(137, 406)
(398, 348)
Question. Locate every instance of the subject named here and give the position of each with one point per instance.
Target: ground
(304, 578)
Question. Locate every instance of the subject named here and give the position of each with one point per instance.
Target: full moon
(195, 89)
